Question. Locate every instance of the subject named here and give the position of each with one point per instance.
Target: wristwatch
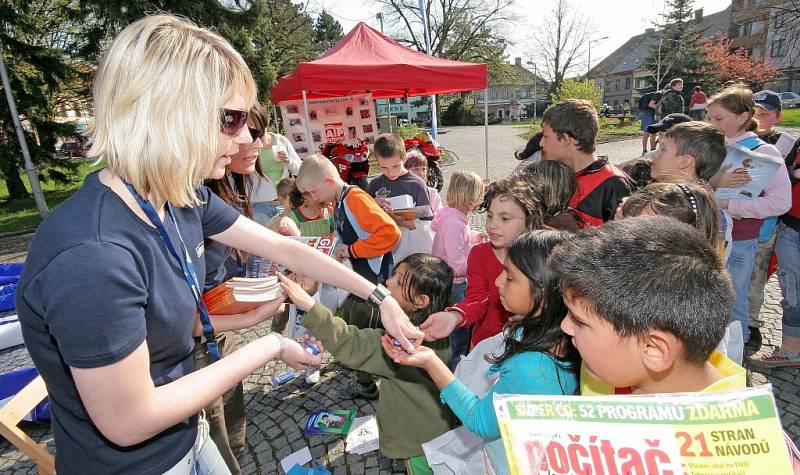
(379, 294)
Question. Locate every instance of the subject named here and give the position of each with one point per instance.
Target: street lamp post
(379, 17)
(535, 95)
(589, 63)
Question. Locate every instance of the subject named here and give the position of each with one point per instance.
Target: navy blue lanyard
(186, 266)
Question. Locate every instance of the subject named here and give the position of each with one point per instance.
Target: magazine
(690, 433)
(262, 267)
(329, 421)
(760, 167)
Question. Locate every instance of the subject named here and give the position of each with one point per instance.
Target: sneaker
(312, 376)
(779, 359)
(755, 338)
(355, 390)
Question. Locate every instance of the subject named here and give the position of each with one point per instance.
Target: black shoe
(755, 338)
(644, 152)
(355, 390)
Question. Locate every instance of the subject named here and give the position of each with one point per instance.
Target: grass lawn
(791, 118)
(609, 130)
(22, 214)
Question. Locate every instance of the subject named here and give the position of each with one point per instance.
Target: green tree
(462, 30)
(327, 31)
(678, 50)
(35, 41)
(577, 89)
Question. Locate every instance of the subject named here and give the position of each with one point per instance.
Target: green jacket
(409, 409)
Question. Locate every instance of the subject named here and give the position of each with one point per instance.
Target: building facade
(621, 75)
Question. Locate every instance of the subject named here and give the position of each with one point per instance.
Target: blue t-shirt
(98, 282)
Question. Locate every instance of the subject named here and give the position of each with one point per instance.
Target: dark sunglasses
(256, 133)
(233, 120)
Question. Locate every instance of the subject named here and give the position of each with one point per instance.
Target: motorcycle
(352, 161)
(424, 143)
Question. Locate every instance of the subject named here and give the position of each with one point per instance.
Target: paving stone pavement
(275, 415)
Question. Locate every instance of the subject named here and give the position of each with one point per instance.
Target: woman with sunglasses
(109, 299)
(226, 414)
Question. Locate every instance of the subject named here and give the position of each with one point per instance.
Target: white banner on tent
(345, 119)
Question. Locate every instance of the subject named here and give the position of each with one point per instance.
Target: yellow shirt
(734, 377)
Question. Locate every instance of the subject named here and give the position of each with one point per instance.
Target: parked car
(73, 149)
(790, 100)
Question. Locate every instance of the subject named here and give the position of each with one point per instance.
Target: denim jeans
(203, 458)
(787, 247)
(740, 265)
(460, 338)
(266, 210)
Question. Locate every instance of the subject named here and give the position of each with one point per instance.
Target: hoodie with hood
(453, 240)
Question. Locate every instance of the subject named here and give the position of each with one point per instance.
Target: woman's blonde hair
(157, 97)
(737, 100)
(465, 190)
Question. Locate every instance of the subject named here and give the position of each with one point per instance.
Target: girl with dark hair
(532, 153)
(555, 183)
(409, 410)
(538, 357)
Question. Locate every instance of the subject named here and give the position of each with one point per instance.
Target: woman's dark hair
(697, 89)
(639, 171)
(426, 275)
(533, 146)
(233, 188)
(542, 333)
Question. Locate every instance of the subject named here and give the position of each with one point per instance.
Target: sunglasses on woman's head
(256, 133)
(233, 120)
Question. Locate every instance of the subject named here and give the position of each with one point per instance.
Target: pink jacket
(777, 197)
(453, 240)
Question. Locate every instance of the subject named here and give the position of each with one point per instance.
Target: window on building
(617, 84)
(778, 48)
(492, 94)
(756, 27)
(627, 83)
(746, 29)
(781, 19)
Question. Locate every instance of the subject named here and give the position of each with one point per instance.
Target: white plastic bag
(732, 343)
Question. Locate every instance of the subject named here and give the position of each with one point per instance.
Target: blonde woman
(108, 299)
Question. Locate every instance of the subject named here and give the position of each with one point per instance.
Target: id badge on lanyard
(187, 267)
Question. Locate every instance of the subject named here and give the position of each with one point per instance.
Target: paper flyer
(732, 433)
(761, 168)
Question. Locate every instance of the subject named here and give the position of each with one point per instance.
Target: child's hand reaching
(421, 358)
(296, 294)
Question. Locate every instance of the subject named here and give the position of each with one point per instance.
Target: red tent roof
(366, 60)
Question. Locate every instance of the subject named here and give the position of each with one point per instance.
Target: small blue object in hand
(397, 343)
(312, 348)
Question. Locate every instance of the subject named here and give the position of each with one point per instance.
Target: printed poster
(734, 433)
(347, 119)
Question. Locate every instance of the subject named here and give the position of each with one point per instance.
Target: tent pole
(389, 109)
(308, 125)
(486, 129)
(408, 105)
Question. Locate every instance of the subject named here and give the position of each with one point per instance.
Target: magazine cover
(736, 432)
(329, 421)
(263, 267)
(760, 167)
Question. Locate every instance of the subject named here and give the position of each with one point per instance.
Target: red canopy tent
(367, 61)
